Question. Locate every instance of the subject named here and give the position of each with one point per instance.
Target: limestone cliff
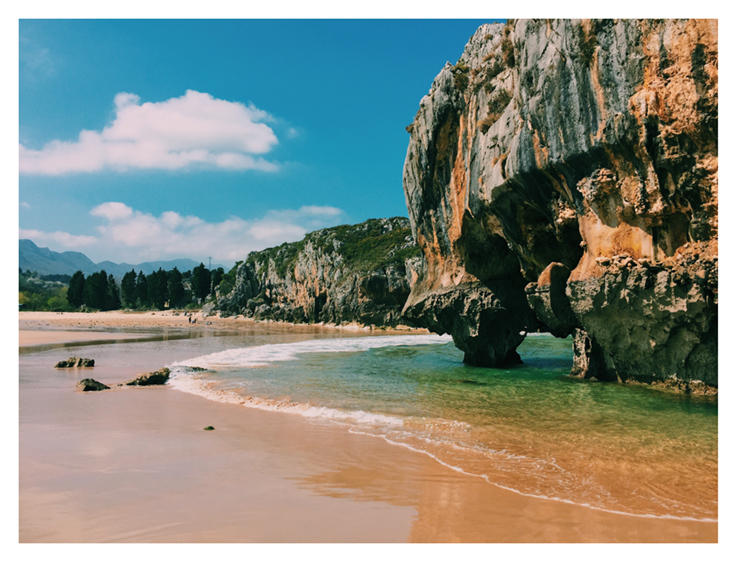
(563, 175)
(352, 273)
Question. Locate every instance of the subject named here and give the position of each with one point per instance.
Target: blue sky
(216, 137)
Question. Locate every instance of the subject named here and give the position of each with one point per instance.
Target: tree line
(159, 289)
(42, 292)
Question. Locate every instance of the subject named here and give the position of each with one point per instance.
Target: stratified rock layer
(353, 273)
(567, 171)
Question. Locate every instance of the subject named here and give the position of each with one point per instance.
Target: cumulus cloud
(112, 210)
(194, 130)
(126, 234)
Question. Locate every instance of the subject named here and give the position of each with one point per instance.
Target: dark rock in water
(87, 385)
(563, 175)
(75, 362)
(154, 377)
(550, 303)
(484, 328)
(209, 428)
(350, 273)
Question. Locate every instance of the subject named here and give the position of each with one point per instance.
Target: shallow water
(530, 429)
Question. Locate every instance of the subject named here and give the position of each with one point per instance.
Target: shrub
(507, 48)
(460, 73)
(496, 106)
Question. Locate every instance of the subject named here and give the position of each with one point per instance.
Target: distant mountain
(47, 262)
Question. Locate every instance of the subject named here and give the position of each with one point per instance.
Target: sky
(155, 139)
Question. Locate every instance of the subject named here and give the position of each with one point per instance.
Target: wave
(488, 480)
(208, 390)
(263, 355)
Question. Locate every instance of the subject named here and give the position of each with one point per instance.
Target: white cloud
(25, 204)
(134, 236)
(112, 210)
(58, 239)
(194, 130)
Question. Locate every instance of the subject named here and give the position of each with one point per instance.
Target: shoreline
(261, 476)
(114, 319)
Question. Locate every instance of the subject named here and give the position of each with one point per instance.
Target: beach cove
(133, 464)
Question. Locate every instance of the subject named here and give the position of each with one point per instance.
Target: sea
(530, 429)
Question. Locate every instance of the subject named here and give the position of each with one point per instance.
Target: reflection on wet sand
(453, 507)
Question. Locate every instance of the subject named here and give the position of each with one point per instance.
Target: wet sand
(32, 338)
(134, 465)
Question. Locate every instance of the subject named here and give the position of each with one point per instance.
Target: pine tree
(75, 295)
(112, 298)
(157, 288)
(141, 290)
(95, 290)
(127, 290)
(176, 288)
(200, 281)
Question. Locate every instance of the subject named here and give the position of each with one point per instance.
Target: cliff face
(563, 175)
(358, 273)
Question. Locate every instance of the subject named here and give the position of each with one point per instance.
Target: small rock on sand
(86, 385)
(154, 377)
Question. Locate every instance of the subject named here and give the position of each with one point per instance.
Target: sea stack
(563, 175)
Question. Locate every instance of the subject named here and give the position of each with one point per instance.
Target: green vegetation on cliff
(364, 247)
(348, 273)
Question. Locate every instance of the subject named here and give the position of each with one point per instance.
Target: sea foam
(263, 355)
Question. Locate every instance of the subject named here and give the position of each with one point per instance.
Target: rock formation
(352, 273)
(563, 175)
(88, 385)
(148, 379)
(75, 362)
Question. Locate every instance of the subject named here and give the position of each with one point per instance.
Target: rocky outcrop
(562, 175)
(89, 385)
(352, 273)
(148, 379)
(75, 362)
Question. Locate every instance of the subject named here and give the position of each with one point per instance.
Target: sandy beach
(120, 320)
(134, 465)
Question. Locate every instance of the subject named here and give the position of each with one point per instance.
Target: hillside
(47, 262)
(351, 273)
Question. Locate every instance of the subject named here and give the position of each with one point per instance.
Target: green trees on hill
(43, 292)
(160, 289)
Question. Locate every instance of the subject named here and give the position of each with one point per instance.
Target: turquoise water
(530, 429)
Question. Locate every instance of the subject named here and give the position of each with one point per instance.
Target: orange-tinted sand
(134, 464)
(117, 319)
